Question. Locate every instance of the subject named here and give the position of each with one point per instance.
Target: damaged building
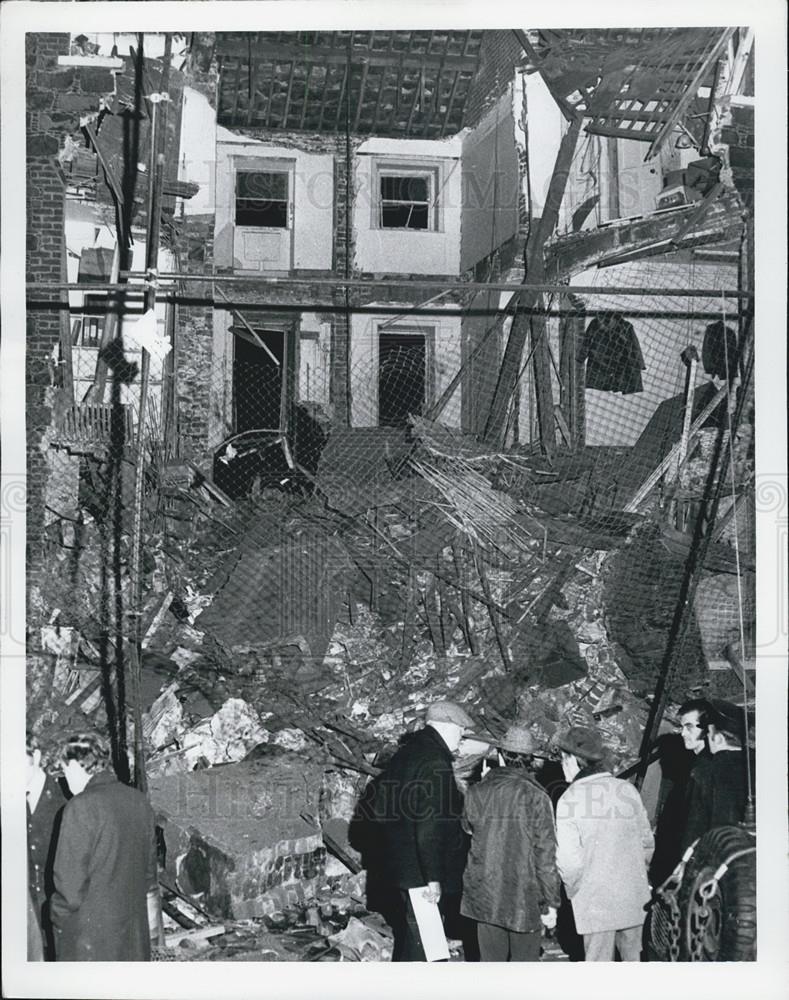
(367, 369)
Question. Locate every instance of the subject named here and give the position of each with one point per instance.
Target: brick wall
(501, 52)
(44, 199)
(194, 337)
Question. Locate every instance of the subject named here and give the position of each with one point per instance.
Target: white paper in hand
(431, 928)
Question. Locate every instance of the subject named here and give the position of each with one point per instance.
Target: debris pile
(290, 639)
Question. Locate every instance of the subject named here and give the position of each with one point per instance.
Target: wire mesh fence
(288, 551)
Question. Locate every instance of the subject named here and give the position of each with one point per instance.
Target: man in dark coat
(718, 787)
(511, 885)
(45, 801)
(681, 754)
(105, 865)
(418, 807)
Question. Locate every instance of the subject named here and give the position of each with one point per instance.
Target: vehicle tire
(729, 933)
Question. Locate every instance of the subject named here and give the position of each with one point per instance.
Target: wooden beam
(564, 106)
(66, 354)
(111, 319)
(511, 362)
(689, 94)
(306, 96)
(112, 181)
(256, 336)
(362, 85)
(345, 87)
(288, 95)
(450, 102)
(328, 55)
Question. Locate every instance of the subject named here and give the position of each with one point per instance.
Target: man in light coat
(510, 885)
(604, 843)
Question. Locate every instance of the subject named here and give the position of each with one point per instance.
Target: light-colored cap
(517, 739)
(449, 711)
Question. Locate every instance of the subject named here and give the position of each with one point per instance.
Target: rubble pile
(291, 639)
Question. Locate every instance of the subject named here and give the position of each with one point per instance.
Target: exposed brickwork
(500, 54)
(194, 337)
(44, 199)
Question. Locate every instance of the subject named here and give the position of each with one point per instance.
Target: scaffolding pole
(151, 260)
(261, 280)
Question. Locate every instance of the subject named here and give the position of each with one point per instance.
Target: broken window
(407, 200)
(262, 199)
(92, 324)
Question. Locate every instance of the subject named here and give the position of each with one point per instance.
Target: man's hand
(433, 892)
(548, 919)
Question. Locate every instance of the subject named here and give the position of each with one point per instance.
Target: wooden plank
(240, 316)
(654, 477)
(157, 620)
(197, 934)
(511, 362)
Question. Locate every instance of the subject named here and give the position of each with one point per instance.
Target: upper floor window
(262, 199)
(407, 198)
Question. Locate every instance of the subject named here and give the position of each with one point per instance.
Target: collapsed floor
(291, 636)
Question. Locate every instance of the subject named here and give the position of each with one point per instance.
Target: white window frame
(250, 165)
(430, 170)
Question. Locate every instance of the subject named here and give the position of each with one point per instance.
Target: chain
(671, 923)
(699, 917)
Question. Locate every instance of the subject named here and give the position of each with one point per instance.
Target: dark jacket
(104, 867)
(678, 765)
(417, 808)
(42, 834)
(511, 874)
(613, 355)
(717, 792)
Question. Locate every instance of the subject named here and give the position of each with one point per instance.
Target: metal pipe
(330, 307)
(405, 282)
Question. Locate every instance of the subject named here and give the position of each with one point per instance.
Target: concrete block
(235, 834)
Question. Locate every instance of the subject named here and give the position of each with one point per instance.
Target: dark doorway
(402, 360)
(258, 380)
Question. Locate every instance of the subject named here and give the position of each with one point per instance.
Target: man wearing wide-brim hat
(417, 808)
(510, 886)
(604, 843)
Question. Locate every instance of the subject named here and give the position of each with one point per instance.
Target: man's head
(517, 746)
(580, 747)
(725, 727)
(84, 755)
(34, 769)
(450, 721)
(693, 722)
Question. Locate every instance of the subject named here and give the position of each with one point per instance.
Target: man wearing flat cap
(604, 843)
(417, 807)
(718, 787)
(510, 886)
